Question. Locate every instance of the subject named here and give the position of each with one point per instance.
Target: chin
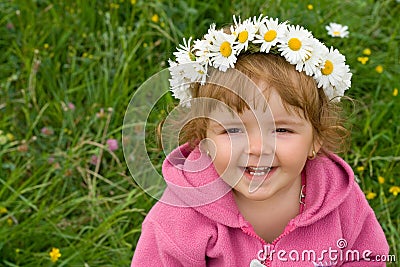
(259, 195)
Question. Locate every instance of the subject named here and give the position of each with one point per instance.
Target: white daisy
(342, 85)
(222, 51)
(179, 84)
(189, 72)
(296, 45)
(333, 74)
(183, 94)
(184, 53)
(257, 22)
(244, 33)
(201, 49)
(191, 68)
(337, 30)
(310, 64)
(270, 33)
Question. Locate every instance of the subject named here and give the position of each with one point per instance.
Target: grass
(67, 72)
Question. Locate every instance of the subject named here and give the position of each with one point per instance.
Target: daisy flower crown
(258, 34)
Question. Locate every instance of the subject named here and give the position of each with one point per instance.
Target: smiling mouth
(257, 171)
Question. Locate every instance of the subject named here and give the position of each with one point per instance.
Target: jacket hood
(192, 181)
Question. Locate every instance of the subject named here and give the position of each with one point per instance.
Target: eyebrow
(288, 121)
(227, 122)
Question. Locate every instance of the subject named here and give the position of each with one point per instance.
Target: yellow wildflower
(46, 46)
(54, 254)
(114, 6)
(3, 210)
(10, 136)
(360, 168)
(381, 180)
(133, 2)
(370, 195)
(379, 69)
(67, 131)
(310, 7)
(10, 221)
(363, 60)
(395, 190)
(367, 51)
(155, 18)
(395, 92)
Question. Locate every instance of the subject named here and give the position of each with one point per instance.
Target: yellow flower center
(243, 36)
(225, 49)
(294, 44)
(192, 56)
(336, 33)
(270, 35)
(328, 68)
(308, 56)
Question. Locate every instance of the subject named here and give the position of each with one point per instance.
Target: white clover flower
(337, 30)
(296, 45)
(222, 51)
(310, 64)
(244, 33)
(270, 33)
(333, 74)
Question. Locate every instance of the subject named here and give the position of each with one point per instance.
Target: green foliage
(67, 72)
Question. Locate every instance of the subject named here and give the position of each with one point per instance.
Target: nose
(259, 143)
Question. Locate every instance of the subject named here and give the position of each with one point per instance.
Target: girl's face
(262, 152)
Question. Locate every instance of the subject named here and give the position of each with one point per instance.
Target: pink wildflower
(47, 131)
(71, 106)
(112, 144)
(94, 159)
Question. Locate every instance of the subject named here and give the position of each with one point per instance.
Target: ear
(204, 146)
(315, 147)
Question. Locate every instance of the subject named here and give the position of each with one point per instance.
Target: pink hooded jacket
(337, 227)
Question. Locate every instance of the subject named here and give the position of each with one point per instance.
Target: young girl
(255, 182)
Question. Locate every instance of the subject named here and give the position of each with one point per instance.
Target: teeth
(258, 171)
(259, 168)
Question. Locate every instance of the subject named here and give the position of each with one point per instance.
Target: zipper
(288, 229)
(247, 229)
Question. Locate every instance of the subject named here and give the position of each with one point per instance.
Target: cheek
(294, 149)
(226, 152)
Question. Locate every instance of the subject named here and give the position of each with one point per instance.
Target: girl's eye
(282, 130)
(233, 130)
